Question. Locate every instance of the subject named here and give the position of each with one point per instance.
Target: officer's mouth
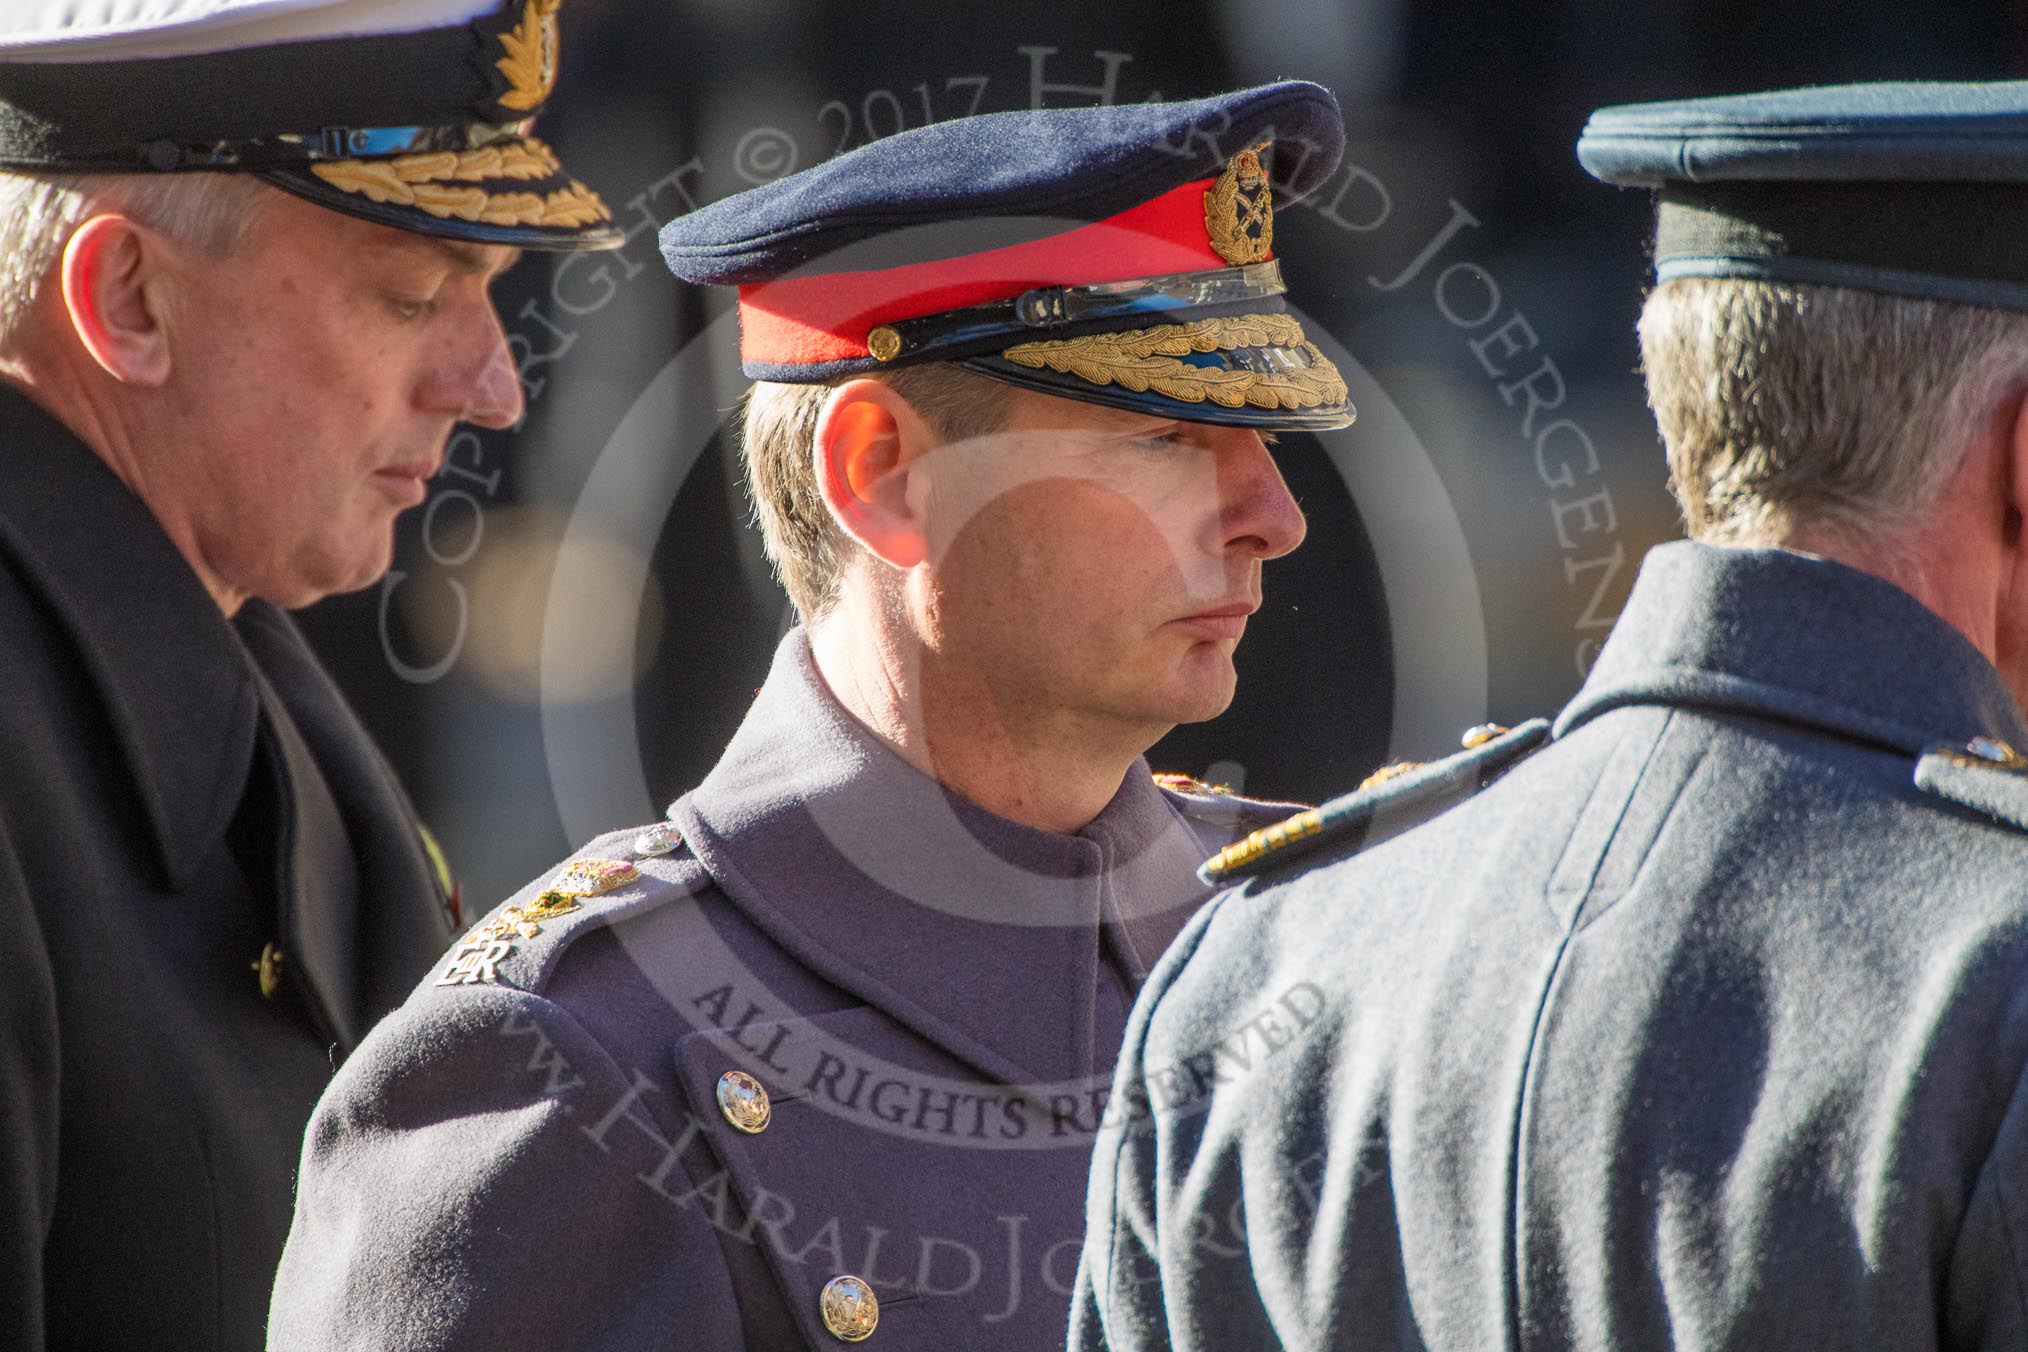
(1220, 622)
(409, 482)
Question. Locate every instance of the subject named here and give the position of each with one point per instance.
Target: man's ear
(868, 451)
(2010, 477)
(111, 274)
(2012, 432)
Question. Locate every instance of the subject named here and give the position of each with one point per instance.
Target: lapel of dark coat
(359, 904)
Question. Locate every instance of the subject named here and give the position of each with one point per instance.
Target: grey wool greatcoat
(1702, 1025)
(830, 1037)
(178, 796)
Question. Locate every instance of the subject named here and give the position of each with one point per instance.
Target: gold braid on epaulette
(1984, 753)
(427, 182)
(1149, 359)
(1387, 772)
(1265, 841)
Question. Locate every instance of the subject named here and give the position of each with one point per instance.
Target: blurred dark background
(540, 667)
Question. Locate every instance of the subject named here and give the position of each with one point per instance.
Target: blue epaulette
(1985, 774)
(1426, 789)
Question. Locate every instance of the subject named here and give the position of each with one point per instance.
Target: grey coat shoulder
(1983, 777)
(619, 876)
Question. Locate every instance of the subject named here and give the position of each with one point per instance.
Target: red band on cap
(800, 321)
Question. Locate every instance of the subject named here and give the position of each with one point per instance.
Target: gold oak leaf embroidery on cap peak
(1151, 359)
(445, 184)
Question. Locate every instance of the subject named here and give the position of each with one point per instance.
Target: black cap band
(104, 116)
(1957, 242)
(426, 130)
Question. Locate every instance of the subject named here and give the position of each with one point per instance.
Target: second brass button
(849, 1308)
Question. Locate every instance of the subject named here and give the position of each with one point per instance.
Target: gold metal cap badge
(1239, 211)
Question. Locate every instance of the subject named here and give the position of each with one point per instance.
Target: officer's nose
(1257, 513)
(477, 382)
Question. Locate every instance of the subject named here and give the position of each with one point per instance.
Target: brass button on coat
(1477, 736)
(657, 840)
(743, 1101)
(268, 967)
(850, 1308)
(1995, 752)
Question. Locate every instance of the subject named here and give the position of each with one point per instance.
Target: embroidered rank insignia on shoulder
(1196, 788)
(1985, 774)
(1221, 806)
(476, 960)
(1424, 789)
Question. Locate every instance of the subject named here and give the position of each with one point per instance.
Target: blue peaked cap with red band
(1119, 255)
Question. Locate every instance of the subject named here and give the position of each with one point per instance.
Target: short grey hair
(1786, 406)
(213, 213)
(779, 444)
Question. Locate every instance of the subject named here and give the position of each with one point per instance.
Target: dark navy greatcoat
(1703, 1026)
(177, 795)
(538, 1150)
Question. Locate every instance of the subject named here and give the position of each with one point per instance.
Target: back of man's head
(1832, 411)
(1840, 311)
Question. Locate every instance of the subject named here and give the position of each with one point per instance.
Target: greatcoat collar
(982, 935)
(166, 667)
(1770, 632)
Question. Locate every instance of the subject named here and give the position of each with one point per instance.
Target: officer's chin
(355, 571)
(1204, 684)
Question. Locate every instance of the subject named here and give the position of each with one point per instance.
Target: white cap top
(122, 30)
